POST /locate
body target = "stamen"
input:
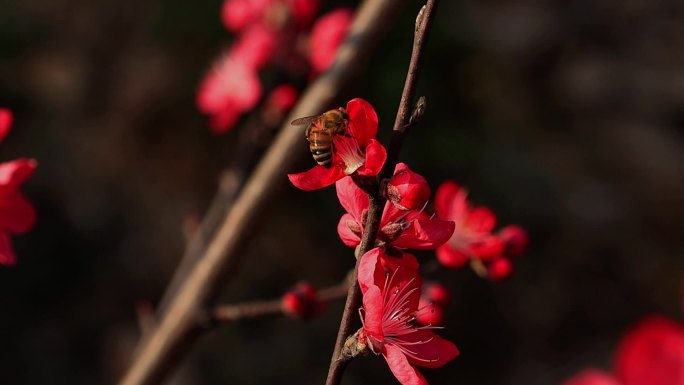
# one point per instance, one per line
(349, 151)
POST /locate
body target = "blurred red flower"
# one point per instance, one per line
(327, 34)
(6, 119)
(650, 353)
(17, 214)
(473, 238)
(228, 90)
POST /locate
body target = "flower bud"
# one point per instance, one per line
(515, 239)
(407, 190)
(499, 269)
(429, 313)
(6, 119)
(436, 293)
(301, 301)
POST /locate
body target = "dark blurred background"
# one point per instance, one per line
(566, 117)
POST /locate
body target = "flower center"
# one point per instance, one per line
(349, 152)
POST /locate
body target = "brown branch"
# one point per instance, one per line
(181, 324)
(406, 117)
(258, 309)
(254, 137)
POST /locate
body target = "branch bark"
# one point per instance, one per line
(406, 117)
(181, 324)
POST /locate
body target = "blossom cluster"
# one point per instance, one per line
(399, 313)
(17, 214)
(651, 353)
(281, 32)
(474, 239)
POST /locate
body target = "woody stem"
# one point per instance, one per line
(406, 117)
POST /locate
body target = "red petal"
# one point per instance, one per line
(351, 197)
(367, 267)
(481, 219)
(451, 258)
(7, 256)
(391, 214)
(16, 172)
(347, 236)
(17, 214)
(425, 234)
(407, 189)
(401, 368)
(592, 377)
(489, 248)
(515, 238)
(6, 119)
(652, 353)
(363, 121)
(316, 178)
(444, 198)
(376, 155)
(373, 310)
(434, 353)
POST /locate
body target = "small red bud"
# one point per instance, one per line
(301, 301)
(515, 238)
(436, 293)
(6, 119)
(407, 189)
(429, 313)
(499, 269)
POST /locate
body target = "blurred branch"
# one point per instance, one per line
(406, 117)
(180, 325)
(252, 142)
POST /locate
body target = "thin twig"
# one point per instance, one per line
(180, 325)
(257, 309)
(406, 117)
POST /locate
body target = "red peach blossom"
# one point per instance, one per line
(327, 34)
(652, 353)
(400, 229)
(357, 152)
(391, 290)
(407, 189)
(472, 237)
(255, 46)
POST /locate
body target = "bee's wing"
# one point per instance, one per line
(304, 120)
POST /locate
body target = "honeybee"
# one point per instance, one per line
(320, 132)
